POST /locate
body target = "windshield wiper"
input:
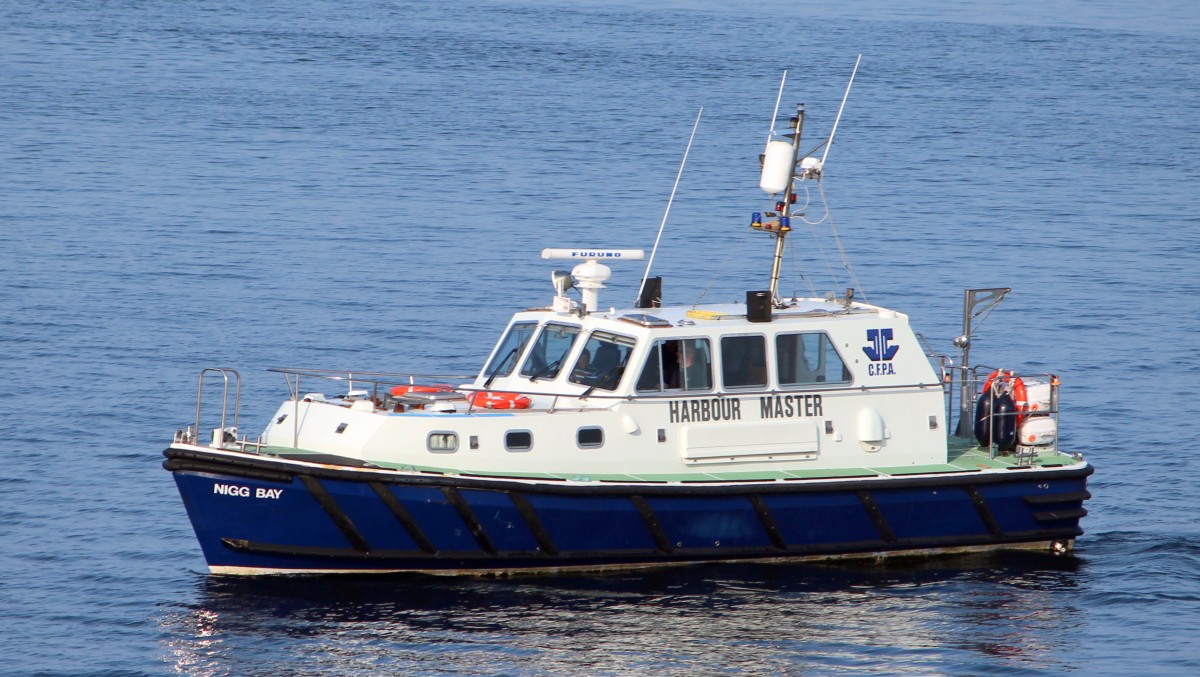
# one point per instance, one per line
(548, 370)
(500, 367)
(608, 380)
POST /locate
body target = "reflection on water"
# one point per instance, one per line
(945, 615)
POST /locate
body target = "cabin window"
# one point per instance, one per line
(602, 362)
(505, 357)
(549, 351)
(590, 438)
(518, 440)
(442, 442)
(744, 361)
(808, 358)
(677, 364)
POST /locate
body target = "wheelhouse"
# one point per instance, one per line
(809, 345)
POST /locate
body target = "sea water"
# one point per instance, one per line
(366, 185)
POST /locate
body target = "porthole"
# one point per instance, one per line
(590, 438)
(518, 440)
(442, 442)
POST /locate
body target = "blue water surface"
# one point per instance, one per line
(366, 185)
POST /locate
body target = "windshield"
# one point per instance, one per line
(548, 352)
(602, 362)
(505, 357)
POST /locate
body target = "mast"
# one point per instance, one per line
(784, 205)
(985, 300)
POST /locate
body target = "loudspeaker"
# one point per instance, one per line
(758, 306)
(651, 296)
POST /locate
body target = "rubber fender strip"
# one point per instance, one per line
(811, 485)
(468, 516)
(656, 532)
(340, 520)
(1043, 499)
(533, 522)
(1057, 515)
(876, 514)
(403, 517)
(177, 465)
(768, 522)
(868, 549)
(985, 512)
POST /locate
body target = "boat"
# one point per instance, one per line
(778, 429)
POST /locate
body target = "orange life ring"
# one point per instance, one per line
(401, 391)
(1016, 390)
(494, 400)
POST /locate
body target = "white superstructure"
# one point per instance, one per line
(824, 384)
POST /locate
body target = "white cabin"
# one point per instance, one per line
(660, 393)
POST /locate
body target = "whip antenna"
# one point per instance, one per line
(829, 142)
(671, 199)
(778, 97)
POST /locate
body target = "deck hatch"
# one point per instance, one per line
(750, 441)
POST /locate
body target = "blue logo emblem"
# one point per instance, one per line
(880, 349)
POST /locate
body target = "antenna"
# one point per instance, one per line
(829, 141)
(778, 98)
(671, 199)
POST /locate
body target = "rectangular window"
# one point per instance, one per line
(744, 361)
(809, 358)
(590, 438)
(442, 443)
(677, 364)
(518, 440)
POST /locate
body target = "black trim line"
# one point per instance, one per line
(656, 532)
(340, 519)
(468, 516)
(985, 512)
(1043, 499)
(180, 465)
(768, 522)
(529, 514)
(402, 515)
(1059, 515)
(877, 517)
(448, 559)
(225, 464)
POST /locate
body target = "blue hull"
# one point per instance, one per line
(256, 514)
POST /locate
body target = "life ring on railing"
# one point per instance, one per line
(1016, 390)
(496, 400)
(401, 391)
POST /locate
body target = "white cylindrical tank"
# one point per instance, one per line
(1037, 431)
(1037, 394)
(777, 167)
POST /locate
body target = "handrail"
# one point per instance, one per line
(237, 401)
(1052, 411)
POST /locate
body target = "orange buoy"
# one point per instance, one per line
(1016, 390)
(496, 400)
